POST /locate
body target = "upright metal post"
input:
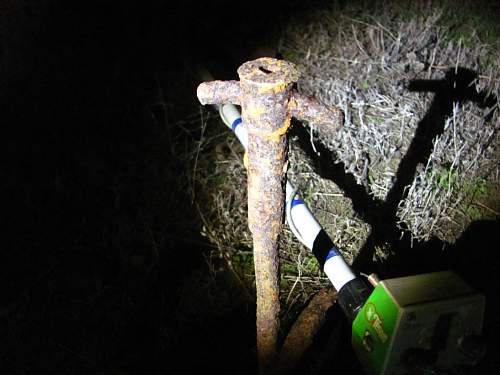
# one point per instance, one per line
(268, 103)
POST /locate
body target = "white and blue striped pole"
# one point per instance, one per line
(352, 291)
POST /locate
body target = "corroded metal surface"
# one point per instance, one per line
(268, 103)
(266, 87)
(219, 92)
(309, 109)
(303, 331)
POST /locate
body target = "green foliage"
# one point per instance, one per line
(447, 179)
(307, 194)
(243, 263)
(460, 25)
(477, 191)
(474, 212)
(312, 265)
(291, 55)
(459, 18)
(289, 270)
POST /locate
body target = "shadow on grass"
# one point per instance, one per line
(456, 87)
(472, 256)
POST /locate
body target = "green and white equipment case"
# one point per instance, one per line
(417, 321)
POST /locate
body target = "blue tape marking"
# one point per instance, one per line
(235, 123)
(296, 202)
(332, 253)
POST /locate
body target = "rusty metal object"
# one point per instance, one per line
(309, 109)
(268, 103)
(219, 92)
(266, 87)
(302, 333)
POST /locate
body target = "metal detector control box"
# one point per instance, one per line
(423, 321)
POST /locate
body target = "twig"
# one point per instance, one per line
(486, 207)
(202, 132)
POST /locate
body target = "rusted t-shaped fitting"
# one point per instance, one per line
(268, 103)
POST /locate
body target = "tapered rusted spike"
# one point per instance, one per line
(268, 103)
(266, 89)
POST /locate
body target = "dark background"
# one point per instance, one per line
(100, 234)
(101, 245)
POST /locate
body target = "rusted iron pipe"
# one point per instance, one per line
(268, 103)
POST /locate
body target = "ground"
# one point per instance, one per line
(413, 172)
(124, 201)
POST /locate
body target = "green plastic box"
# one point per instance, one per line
(418, 321)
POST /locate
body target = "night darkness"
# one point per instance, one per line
(99, 232)
(90, 184)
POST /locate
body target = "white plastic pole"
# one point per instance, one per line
(300, 219)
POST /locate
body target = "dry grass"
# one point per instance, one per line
(363, 63)
(221, 177)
